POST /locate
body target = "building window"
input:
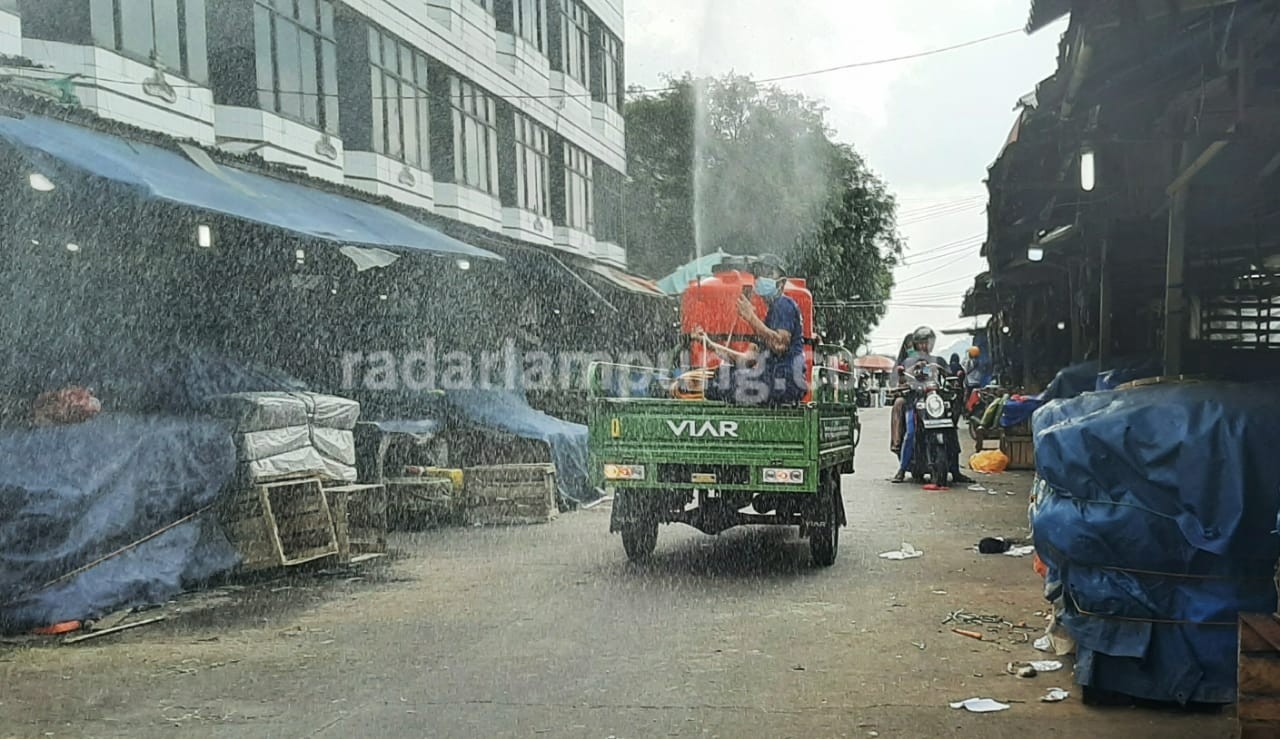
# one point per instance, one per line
(165, 32)
(530, 22)
(401, 126)
(475, 137)
(533, 161)
(608, 85)
(486, 4)
(575, 49)
(609, 184)
(578, 196)
(298, 60)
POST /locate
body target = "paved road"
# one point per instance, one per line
(548, 631)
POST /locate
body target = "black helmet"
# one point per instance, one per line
(766, 262)
(922, 334)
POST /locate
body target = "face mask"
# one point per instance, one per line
(765, 287)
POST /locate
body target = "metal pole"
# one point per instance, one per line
(1104, 306)
(1174, 299)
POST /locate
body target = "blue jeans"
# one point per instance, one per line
(908, 440)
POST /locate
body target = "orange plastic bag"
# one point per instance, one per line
(992, 461)
(1039, 566)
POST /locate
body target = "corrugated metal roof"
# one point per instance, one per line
(1044, 12)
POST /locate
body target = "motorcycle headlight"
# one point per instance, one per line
(934, 406)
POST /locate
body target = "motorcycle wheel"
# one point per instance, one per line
(938, 463)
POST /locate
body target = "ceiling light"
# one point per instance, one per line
(463, 264)
(1087, 173)
(40, 183)
(1034, 253)
(1062, 326)
(382, 297)
(73, 247)
(204, 236)
(1004, 329)
(300, 254)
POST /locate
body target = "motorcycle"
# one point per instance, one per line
(975, 409)
(934, 398)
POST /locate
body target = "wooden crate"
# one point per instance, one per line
(1258, 676)
(415, 501)
(359, 519)
(509, 494)
(280, 524)
(1020, 450)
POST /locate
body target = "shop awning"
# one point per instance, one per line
(62, 152)
(627, 281)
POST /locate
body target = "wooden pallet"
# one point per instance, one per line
(280, 524)
(508, 494)
(1258, 676)
(415, 501)
(1020, 450)
(359, 519)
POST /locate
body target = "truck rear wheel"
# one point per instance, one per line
(640, 539)
(824, 539)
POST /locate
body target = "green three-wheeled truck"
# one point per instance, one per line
(715, 465)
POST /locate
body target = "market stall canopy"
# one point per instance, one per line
(968, 326)
(874, 363)
(628, 281)
(61, 151)
(676, 282)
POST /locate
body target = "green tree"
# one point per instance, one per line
(752, 169)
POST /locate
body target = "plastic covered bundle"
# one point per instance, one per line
(1155, 513)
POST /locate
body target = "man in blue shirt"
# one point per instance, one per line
(775, 372)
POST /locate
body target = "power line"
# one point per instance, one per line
(945, 265)
(637, 91)
(964, 204)
(960, 210)
(889, 60)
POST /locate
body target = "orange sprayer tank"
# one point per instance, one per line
(712, 303)
(798, 290)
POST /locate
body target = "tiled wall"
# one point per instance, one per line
(10, 34)
(123, 90)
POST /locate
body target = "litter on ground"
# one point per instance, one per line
(1055, 695)
(905, 552)
(981, 705)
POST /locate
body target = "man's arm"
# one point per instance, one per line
(721, 349)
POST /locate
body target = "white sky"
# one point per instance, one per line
(930, 127)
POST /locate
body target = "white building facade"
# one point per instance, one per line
(503, 114)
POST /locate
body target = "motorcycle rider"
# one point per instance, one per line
(902, 420)
(917, 346)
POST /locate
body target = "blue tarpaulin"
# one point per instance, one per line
(71, 496)
(1156, 512)
(508, 411)
(1080, 378)
(66, 153)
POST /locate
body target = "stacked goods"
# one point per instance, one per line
(1155, 514)
(332, 422)
(510, 494)
(282, 435)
